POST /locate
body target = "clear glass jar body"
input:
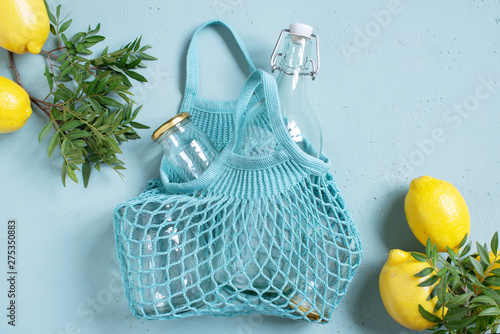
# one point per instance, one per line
(187, 149)
(160, 238)
(298, 114)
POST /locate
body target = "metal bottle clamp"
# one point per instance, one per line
(275, 56)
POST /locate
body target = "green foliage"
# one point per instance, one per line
(92, 110)
(467, 288)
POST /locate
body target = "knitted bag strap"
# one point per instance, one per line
(262, 81)
(191, 88)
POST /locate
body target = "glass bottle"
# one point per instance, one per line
(310, 288)
(187, 149)
(300, 119)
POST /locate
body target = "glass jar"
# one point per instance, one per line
(187, 149)
(168, 271)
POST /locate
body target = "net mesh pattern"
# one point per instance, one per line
(275, 239)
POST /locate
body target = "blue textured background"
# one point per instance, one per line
(406, 88)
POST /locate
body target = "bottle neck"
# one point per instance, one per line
(294, 66)
(296, 55)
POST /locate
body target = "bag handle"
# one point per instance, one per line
(259, 83)
(191, 88)
(263, 84)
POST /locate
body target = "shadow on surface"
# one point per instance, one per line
(368, 310)
(395, 232)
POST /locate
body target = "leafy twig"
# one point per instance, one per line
(468, 288)
(91, 111)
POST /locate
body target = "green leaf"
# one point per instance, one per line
(430, 281)
(492, 281)
(483, 253)
(76, 38)
(441, 331)
(419, 256)
(432, 294)
(95, 39)
(459, 300)
(462, 323)
(477, 266)
(464, 240)
(466, 249)
(52, 18)
(45, 131)
(71, 125)
(456, 314)
(483, 300)
(435, 255)
(72, 175)
(427, 315)
(96, 30)
(102, 85)
(86, 169)
(79, 143)
(491, 293)
(58, 11)
(495, 271)
(139, 125)
(75, 134)
(69, 45)
(494, 243)
(136, 111)
(111, 87)
(116, 69)
(442, 288)
(424, 272)
(491, 311)
(134, 63)
(80, 48)
(63, 173)
(49, 77)
(146, 56)
(428, 248)
(453, 255)
(53, 144)
(62, 58)
(114, 145)
(110, 102)
(65, 71)
(136, 76)
(65, 146)
(137, 44)
(65, 26)
(53, 30)
(442, 272)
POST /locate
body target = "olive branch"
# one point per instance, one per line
(89, 105)
(468, 287)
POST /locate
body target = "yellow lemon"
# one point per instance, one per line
(401, 294)
(15, 106)
(24, 25)
(436, 210)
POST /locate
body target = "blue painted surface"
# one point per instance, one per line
(405, 89)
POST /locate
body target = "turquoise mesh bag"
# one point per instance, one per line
(264, 229)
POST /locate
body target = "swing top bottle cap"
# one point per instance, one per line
(301, 29)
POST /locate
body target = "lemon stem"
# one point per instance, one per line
(36, 102)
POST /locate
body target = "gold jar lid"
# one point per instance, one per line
(169, 124)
